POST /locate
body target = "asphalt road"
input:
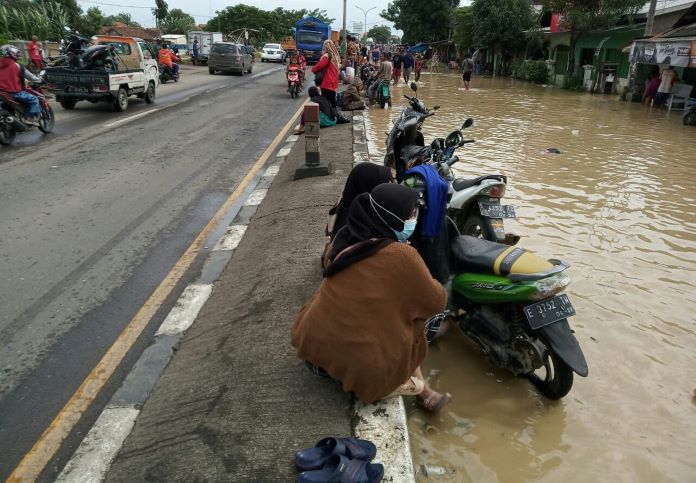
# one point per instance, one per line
(93, 216)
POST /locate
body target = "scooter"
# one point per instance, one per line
(384, 94)
(167, 74)
(294, 87)
(689, 116)
(511, 303)
(13, 116)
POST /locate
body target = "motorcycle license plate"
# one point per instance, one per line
(385, 91)
(497, 210)
(548, 311)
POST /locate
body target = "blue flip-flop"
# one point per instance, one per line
(339, 469)
(353, 448)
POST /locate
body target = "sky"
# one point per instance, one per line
(202, 9)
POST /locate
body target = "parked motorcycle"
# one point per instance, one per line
(13, 116)
(689, 116)
(294, 85)
(166, 74)
(473, 204)
(510, 302)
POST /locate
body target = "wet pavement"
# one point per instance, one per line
(617, 203)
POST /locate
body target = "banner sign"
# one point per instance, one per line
(675, 53)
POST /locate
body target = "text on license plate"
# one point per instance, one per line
(496, 210)
(548, 311)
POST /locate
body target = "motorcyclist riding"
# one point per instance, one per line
(383, 74)
(12, 76)
(295, 65)
(167, 57)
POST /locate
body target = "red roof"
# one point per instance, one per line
(124, 30)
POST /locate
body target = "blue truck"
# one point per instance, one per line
(310, 34)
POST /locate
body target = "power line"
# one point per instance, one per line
(131, 6)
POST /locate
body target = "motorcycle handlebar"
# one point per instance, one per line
(467, 141)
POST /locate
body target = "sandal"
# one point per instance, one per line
(339, 469)
(434, 401)
(297, 132)
(412, 387)
(316, 457)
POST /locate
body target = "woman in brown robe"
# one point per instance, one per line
(365, 324)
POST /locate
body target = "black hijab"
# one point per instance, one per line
(324, 104)
(372, 219)
(362, 179)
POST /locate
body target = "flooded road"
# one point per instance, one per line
(618, 203)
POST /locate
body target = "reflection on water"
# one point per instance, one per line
(618, 203)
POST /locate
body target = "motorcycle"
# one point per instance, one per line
(384, 94)
(13, 116)
(99, 57)
(294, 84)
(474, 204)
(689, 116)
(167, 74)
(511, 303)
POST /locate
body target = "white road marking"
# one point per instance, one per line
(283, 152)
(256, 197)
(96, 452)
(130, 118)
(389, 432)
(292, 139)
(272, 171)
(230, 240)
(186, 309)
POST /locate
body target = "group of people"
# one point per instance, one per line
(12, 81)
(365, 327)
(659, 85)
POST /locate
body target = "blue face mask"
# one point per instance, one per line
(409, 228)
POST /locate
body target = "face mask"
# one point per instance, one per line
(409, 228)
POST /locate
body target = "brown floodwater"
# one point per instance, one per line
(618, 203)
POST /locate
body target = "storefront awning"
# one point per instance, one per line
(677, 52)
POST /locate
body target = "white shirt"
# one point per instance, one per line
(666, 83)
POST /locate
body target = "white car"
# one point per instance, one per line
(272, 53)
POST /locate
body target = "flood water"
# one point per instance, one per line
(618, 203)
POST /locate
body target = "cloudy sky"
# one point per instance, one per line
(201, 10)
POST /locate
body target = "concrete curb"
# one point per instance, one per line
(93, 458)
(383, 423)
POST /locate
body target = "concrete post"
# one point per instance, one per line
(313, 166)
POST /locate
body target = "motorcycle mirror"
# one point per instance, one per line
(65, 28)
(42, 73)
(468, 123)
(435, 108)
(454, 139)
(414, 87)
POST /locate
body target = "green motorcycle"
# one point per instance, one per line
(510, 302)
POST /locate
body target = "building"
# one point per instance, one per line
(123, 30)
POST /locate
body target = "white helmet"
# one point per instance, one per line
(10, 51)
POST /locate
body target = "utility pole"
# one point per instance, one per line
(344, 41)
(365, 23)
(651, 18)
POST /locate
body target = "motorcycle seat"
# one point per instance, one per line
(410, 152)
(483, 256)
(462, 184)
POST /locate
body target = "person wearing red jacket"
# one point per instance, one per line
(329, 63)
(12, 82)
(35, 53)
(168, 58)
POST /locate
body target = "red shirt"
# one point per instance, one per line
(9, 76)
(34, 50)
(330, 80)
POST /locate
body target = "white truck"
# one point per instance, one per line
(137, 73)
(205, 42)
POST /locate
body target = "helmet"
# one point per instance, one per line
(10, 51)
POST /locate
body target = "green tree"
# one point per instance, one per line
(71, 9)
(581, 16)
(464, 27)
(380, 34)
(160, 11)
(421, 20)
(499, 25)
(122, 17)
(92, 21)
(178, 22)
(318, 13)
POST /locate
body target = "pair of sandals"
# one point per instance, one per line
(339, 460)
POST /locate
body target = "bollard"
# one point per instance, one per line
(313, 164)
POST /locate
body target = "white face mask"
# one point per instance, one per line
(409, 225)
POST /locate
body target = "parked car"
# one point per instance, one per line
(230, 57)
(273, 53)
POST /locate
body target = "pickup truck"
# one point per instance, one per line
(137, 73)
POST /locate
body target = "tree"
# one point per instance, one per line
(421, 20)
(71, 9)
(160, 11)
(318, 13)
(380, 34)
(124, 18)
(581, 16)
(92, 21)
(500, 24)
(178, 22)
(463, 27)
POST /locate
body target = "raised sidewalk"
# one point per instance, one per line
(235, 403)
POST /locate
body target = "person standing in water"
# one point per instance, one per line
(467, 69)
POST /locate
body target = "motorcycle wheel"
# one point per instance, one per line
(473, 226)
(47, 120)
(7, 135)
(690, 119)
(292, 92)
(554, 379)
(176, 79)
(163, 80)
